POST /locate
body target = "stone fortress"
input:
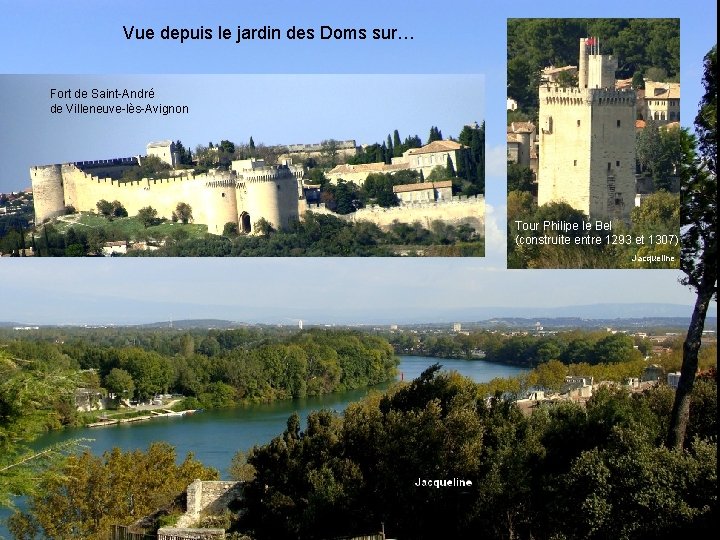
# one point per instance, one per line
(250, 190)
(587, 139)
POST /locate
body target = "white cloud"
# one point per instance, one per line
(496, 161)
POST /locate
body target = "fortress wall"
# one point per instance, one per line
(113, 168)
(48, 193)
(71, 176)
(467, 210)
(84, 190)
(565, 147)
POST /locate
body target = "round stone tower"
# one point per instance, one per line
(219, 201)
(274, 197)
(48, 191)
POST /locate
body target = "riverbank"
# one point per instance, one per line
(153, 414)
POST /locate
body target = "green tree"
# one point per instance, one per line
(661, 150)
(183, 212)
(699, 243)
(104, 207)
(329, 152)
(88, 494)
(647, 145)
(615, 348)
(438, 173)
(263, 227)
(151, 372)
(519, 178)
(435, 135)
(28, 388)
(120, 383)
(118, 210)
(638, 81)
(149, 167)
(379, 189)
(397, 150)
(147, 216)
(230, 229)
(184, 154)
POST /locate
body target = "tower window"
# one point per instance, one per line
(618, 123)
(578, 123)
(223, 194)
(609, 165)
(617, 163)
(575, 162)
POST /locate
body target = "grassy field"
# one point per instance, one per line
(128, 228)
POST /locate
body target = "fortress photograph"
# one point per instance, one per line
(428, 200)
(593, 142)
(375, 179)
(249, 188)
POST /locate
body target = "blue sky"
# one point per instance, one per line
(467, 37)
(319, 291)
(273, 109)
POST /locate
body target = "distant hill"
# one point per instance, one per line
(220, 324)
(606, 315)
(561, 323)
(11, 324)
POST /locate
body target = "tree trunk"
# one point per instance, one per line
(691, 347)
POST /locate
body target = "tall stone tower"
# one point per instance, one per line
(48, 192)
(587, 140)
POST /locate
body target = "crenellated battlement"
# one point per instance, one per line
(609, 96)
(556, 89)
(125, 161)
(571, 96)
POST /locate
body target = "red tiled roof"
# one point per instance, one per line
(422, 186)
(436, 146)
(367, 167)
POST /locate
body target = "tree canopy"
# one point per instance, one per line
(699, 237)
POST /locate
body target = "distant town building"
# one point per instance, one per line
(341, 149)
(359, 173)
(424, 192)
(553, 74)
(521, 144)
(661, 102)
(165, 151)
(422, 160)
(673, 379)
(118, 247)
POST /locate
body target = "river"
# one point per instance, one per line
(214, 436)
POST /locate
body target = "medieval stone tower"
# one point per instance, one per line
(587, 140)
